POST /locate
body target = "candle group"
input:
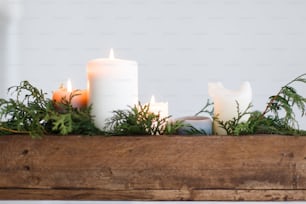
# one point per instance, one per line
(113, 85)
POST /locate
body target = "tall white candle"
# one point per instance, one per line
(225, 106)
(112, 85)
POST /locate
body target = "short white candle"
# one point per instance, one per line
(160, 108)
(225, 102)
(112, 85)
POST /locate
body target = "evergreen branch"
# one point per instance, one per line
(137, 120)
(289, 95)
(13, 131)
(206, 109)
(30, 112)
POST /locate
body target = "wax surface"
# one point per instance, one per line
(79, 98)
(112, 85)
(225, 102)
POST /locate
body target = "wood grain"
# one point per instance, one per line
(261, 167)
(161, 195)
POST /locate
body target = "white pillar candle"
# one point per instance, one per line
(112, 85)
(159, 107)
(225, 106)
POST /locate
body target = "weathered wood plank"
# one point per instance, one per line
(157, 195)
(116, 167)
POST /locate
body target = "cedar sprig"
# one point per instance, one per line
(30, 112)
(25, 114)
(207, 109)
(136, 120)
(286, 100)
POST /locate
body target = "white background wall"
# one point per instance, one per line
(180, 45)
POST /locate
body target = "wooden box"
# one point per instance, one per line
(261, 167)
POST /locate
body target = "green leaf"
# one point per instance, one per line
(63, 124)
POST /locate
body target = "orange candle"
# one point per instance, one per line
(77, 98)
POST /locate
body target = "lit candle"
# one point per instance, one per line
(77, 98)
(225, 102)
(160, 108)
(112, 85)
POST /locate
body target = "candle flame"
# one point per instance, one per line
(111, 54)
(69, 85)
(152, 100)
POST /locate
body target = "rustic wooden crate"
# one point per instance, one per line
(262, 167)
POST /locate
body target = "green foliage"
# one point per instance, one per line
(194, 131)
(62, 123)
(172, 127)
(277, 118)
(285, 101)
(208, 109)
(32, 113)
(137, 120)
(235, 126)
(26, 113)
(270, 125)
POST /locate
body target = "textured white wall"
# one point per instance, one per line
(10, 13)
(180, 45)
